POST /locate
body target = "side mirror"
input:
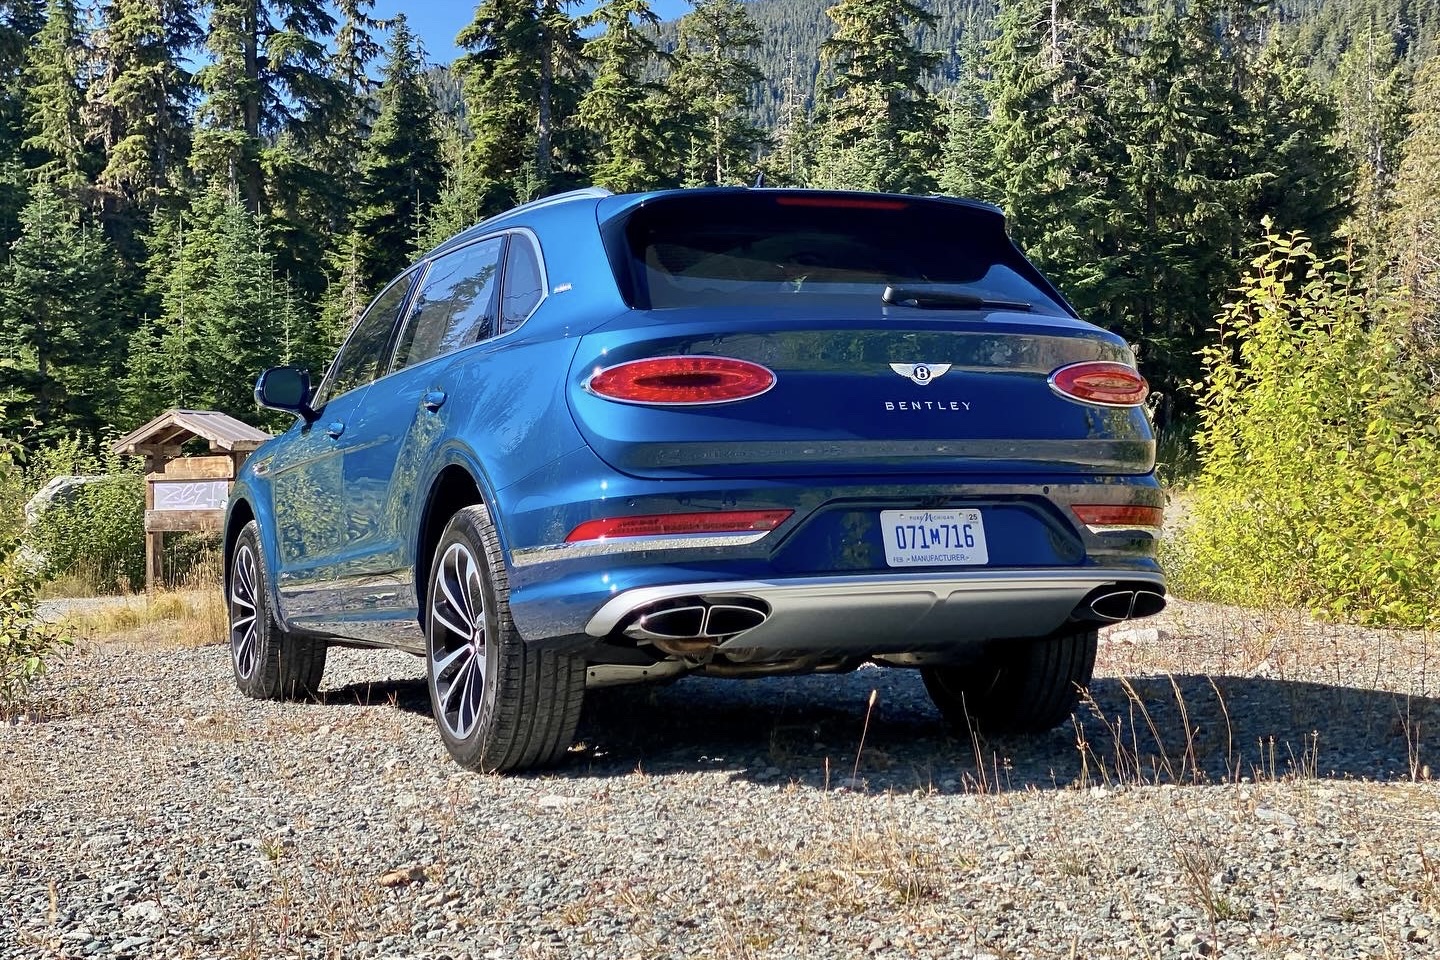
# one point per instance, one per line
(285, 388)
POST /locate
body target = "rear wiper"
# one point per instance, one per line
(928, 299)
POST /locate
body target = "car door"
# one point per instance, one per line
(403, 419)
(317, 519)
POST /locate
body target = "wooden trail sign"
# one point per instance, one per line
(186, 492)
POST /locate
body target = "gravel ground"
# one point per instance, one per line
(1241, 785)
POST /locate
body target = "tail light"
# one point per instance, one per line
(680, 524)
(1101, 382)
(681, 381)
(1114, 518)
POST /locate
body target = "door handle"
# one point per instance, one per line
(335, 429)
(434, 400)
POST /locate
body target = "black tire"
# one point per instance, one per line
(270, 663)
(1021, 686)
(522, 708)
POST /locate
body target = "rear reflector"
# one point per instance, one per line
(679, 524)
(841, 203)
(1108, 517)
(1102, 382)
(679, 381)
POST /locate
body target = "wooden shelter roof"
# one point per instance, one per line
(164, 435)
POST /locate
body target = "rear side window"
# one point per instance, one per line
(455, 306)
(523, 287)
(776, 248)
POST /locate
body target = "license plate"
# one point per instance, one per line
(924, 538)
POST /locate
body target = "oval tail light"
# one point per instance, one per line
(1102, 382)
(681, 381)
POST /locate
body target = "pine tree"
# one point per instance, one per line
(792, 160)
(623, 110)
(1416, 225)
(138, 107)
(267, 76)
(967, 155)
(401, 172)
(59, 342)
(713, 80)
(225, 313)
(877, 122)
(56, 71)
(1370, 90)
(520, 78)
(1290, 130)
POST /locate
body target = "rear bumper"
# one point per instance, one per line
(896, 613)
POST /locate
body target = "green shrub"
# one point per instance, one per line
(1320, 454)
(25, 644)
(98, 535)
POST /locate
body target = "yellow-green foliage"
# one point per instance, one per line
(1320, 477)
(25, 644)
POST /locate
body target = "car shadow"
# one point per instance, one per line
(808, 731)
(407, 694)
(1182, 730)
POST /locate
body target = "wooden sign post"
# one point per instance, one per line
(185, 493)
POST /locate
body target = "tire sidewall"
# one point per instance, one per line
(466, 527)
(265, 628)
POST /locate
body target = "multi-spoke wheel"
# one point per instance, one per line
(270, 664)
(500, 703)
(1021, 686)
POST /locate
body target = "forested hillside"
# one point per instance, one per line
(191, 190)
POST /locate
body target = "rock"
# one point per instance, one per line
(1275, 816)
(403, 877)
(1138, 636)
(146, 911)
(555, 802)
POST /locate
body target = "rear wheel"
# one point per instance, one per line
(1021, 686)
(500, 703)
(270, 663)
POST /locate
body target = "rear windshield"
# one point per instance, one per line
(723, 247)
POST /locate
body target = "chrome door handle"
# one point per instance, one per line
(434, 400)
(335, 429)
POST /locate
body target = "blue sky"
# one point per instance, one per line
(437, 21)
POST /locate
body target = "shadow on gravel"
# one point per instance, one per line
(807, 730)
(409, 694)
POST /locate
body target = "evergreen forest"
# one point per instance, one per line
(192, 190)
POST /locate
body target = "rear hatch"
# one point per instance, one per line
(905, 335)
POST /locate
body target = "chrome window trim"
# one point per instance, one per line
(508, 236)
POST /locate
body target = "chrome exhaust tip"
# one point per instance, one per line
(695, 623)
(1114, 606)
(1147, 603)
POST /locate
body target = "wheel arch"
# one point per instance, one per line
(241, 513)
(454, 488)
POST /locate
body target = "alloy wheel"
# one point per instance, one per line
(244, 624)
(457, 640)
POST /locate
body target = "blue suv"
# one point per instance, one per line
(605, 439)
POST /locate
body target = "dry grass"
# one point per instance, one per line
(178, 618)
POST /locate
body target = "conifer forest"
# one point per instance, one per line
(193, 190)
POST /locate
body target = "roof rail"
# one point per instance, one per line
(593, 193)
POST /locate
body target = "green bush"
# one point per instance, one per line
(1320, 454)
(98, 536)
(25, 644)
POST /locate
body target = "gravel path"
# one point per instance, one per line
(1281, 809)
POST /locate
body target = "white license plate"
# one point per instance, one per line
(925, 538)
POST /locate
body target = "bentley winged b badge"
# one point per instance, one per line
(921, 373)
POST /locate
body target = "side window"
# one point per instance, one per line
(455, 306)
(362, 357)
(522, 287)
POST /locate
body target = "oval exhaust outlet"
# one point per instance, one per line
(1147, 603)
(728, 619)
(677, 623)
(1113, 606)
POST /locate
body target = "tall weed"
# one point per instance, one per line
(1320, 453)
